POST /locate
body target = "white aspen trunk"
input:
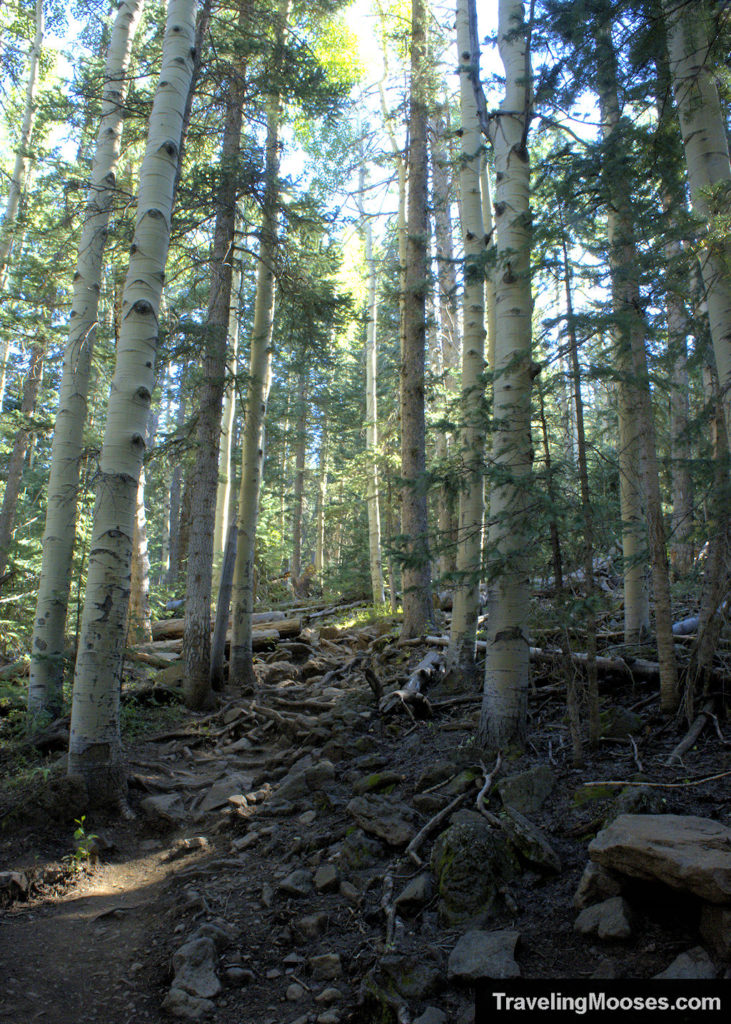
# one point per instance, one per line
(321, 500)
(488, 223)
(689, 28)
(417, 604)
(371, 361)
(632, 359)
(507, 665)
(139, 619)
(46, 670)
(241, 665)
(197, 635)
(17, 179)
(223, 494)
(95, 747)
(463, 632)
(300, 450)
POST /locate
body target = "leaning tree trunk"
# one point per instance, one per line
(632, 356)
(197, 635)
(17, 455)
(241, 666)
(689, 28)
(463, 633)
(47, 648)
(416, 570)
(95, 750)
(507, 665)
(18, 177)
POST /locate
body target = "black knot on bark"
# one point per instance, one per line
(143, 307)
(499, 209)
(170, 148)
(143, 394)
(138, 441)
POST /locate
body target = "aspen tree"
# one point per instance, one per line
(300, 451)
(371, 389)
(241, 667)
(689, 32)
(461, 652)
(416, 569)
(95, 746)
(635, 398)
(507, 665)
(47, 647)
(18, 176)
(197, 635)
(321, 498)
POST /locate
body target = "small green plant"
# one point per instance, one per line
(85, 846)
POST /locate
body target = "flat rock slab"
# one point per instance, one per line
(389, 820)
(166, 806)
(695, 964)
(220, 792)
(195, 968)
(528, 840)
(685, 852)
(481, 954)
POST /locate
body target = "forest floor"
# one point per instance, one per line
(279, 824)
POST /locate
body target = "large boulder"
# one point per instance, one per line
(471, 863)
(687, 853)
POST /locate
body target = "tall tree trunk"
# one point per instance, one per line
(17, 455)
(224, 491)
(17, 179)
(417, 603)
(321, 499)
(95, 746)
(461, 652)
(371, 390)
(689, 28)
(681, 546)
(632, 356)
(241, 666)
(300, 451)
(139, 630)
(197, 635)
(46, 670)
(176, 487)
(507, 665)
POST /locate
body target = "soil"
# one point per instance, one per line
(94, 941)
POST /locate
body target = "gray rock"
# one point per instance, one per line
(327, 878)
(183, 1004)
(481, 954)
(13, 885)
(219, 931)
(349, 892)
(435, 774)
(377, 782)
(298, 883)
(302, 782)
(432, 1015)
(527, 791)
(695, 964)
(715, 929)
(220, 792)
(326, 966)
(596, 884)
(688, 853)
(183, 847)
(164, 807)
(471, 864)
(382, 816)
(528, 840)
(608, 920)
(329, 1017)
(617, 723)
(635, 800)
(312, 925)
(412, 977)
(294, 993)
(195, 965)
(415, 895)
(328, 996)
(238, 976)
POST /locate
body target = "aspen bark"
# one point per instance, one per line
(371, 389)
(632, 358)
(417, 604)
(139, 629)
(95, 746)
(48, 644)
(507, 665)
(463, 633)
(197, 636)
(14, 477)
(689, 31)
(18, 177)
(241, 665)
(300, 450)
(321, 499)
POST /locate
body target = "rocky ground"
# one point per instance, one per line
(303, 856)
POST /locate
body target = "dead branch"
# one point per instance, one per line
(692, 735)
(430, 826)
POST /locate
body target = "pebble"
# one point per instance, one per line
(326, 966)
(329, 995)
(294, 993)
(327, 878)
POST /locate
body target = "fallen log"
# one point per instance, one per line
(167, 629)
(411, 696)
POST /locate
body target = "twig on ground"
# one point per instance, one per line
(659, 785)
(635, 754)
(489, 782)
(430, 826)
